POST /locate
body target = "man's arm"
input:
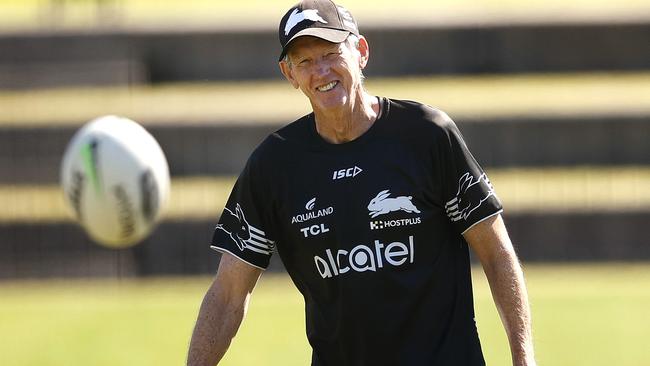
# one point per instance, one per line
(222, 311)
(491, 243)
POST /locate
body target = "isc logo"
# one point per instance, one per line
(346, 173)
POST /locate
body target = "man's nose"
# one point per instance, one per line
(321, 67)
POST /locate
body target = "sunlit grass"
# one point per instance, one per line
(593, 314)
(582, 315)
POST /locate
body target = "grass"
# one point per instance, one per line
(590, 314)
(541, 190)
(276, 102)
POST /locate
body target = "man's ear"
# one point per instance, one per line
(364, 52)
(287, 72)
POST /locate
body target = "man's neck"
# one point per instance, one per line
(349, 122)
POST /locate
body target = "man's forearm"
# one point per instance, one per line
(511, 298)
(215, 327)
(490, 241)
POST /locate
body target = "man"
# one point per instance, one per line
(371, 204)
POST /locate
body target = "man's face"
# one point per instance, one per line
(329, 74)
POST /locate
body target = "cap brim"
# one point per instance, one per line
(331, 35)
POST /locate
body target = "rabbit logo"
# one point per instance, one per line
(471, 194)
(236, 226)
(381, 204)
(297, 17)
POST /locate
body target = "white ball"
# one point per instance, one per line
(116, 180)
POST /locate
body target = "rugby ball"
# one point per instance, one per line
(115, 180)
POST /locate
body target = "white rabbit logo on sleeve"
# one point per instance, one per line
(245, 235)
(471, 194)
(381, 204)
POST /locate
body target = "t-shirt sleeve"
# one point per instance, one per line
(469, 195)
(243, 228)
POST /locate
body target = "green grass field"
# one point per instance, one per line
(594, 315)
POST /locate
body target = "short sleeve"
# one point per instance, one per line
(470, 197)
(243, 229)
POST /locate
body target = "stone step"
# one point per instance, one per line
(161, 56)
(521, 190)
(182, 247)
(33, 155)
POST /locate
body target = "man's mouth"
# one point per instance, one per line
(327, 87)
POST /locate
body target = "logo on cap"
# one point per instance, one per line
(348, 21)
(296, 17)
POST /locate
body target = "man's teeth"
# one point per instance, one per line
(327, 87)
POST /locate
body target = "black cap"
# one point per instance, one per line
(318, 18)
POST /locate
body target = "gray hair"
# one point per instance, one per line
(353, 42)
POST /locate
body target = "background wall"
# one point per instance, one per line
(118, 58)
(553, 97)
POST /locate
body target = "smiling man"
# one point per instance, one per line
(372, 204)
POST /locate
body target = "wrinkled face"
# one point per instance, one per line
(329, 74)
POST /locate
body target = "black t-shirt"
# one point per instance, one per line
(370, 232)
